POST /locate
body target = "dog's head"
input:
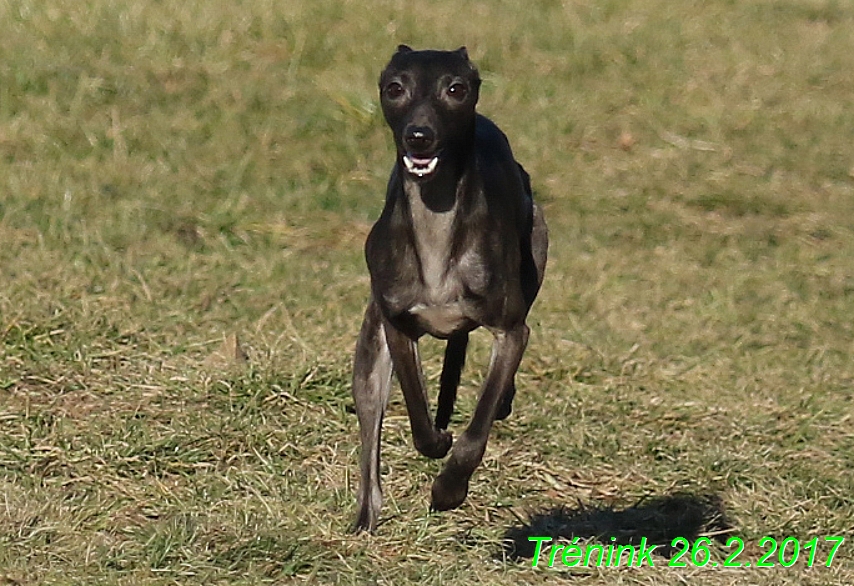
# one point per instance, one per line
(428, 99)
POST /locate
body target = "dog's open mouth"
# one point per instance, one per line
(420, 166)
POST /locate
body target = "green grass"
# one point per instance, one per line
(172, 174)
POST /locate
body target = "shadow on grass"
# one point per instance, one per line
(659, 519)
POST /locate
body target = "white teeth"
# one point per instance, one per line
(420, 167)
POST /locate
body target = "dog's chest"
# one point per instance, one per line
(450, 267)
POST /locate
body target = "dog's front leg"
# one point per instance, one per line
(451, 486)
(371, 383)
(429, 441)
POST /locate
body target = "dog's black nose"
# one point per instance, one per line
(419, 139)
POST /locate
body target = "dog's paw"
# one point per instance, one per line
(438, 446)
(448, 493)
(365, 522)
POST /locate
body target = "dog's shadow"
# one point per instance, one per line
(659, 519)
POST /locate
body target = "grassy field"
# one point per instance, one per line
(185, 188)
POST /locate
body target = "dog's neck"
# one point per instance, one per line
(429, 202)
(433, 207)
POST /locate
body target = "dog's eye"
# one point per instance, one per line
(394, 90)
(458, 91)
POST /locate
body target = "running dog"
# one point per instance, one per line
(460, 244)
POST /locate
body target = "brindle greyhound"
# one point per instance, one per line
(459, 244)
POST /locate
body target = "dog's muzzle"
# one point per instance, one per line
(420, 166)
(419, 141)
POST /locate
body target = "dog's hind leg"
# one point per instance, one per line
(452, 367)
(451, 486)
(429, 441)
(539, 243)
(506, 406)
(371, 383)
(539, 254)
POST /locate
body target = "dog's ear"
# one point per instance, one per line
(463, 52)
(404, 49)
